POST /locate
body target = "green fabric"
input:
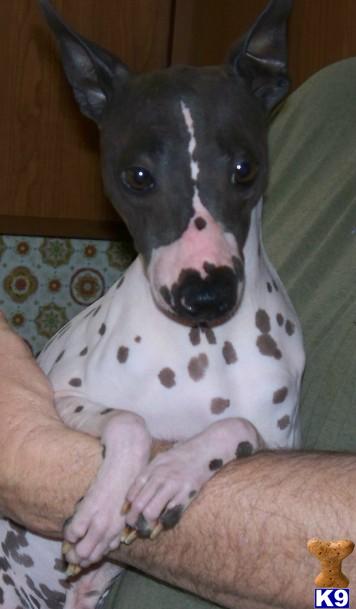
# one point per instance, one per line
(310, 234)
(137, 591)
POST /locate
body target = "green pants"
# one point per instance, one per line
(310, 234)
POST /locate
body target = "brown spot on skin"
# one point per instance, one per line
(200, 223)
(107, 410)
(262, 321)
(280, 319)
(290, 327)
(138, 339)
(122, 354)
(194, 336)
(210, 335)
(13, 544)
(83, 351)
(244, 449)
(269, 287)
(167, 377)
(171, 516)
(268, 346)
(215, 464)
(143, 528)
(229, 353)
(79, 409)
(218, 405)
(8, 580)
(5, 565)
(280, 395)
(284, 422)
(197, 367)
(102, 329)
(75, 382)
(60, 565)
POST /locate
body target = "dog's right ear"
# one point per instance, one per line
(261, 56)
(91, 70)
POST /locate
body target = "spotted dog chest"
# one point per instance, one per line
(181, 379)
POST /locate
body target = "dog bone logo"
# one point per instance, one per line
(331, 554)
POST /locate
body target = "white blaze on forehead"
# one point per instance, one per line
(194, 248)
(188, 119)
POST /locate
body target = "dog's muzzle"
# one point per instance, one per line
(208, 299)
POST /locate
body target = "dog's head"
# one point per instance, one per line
(184, 157)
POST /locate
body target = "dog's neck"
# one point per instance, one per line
(255, 256)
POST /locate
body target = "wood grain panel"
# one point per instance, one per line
(205, 29)
(321, 31)
(49, 175)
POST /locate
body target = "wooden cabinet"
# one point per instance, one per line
(50, 180)
(320, 31)
(49, 172)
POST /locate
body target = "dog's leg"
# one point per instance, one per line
(89, 590)
(97, 522)
(168, 484)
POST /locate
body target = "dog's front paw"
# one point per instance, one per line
(94, 528)
(162, 492)
(165, 488)
(98, 520)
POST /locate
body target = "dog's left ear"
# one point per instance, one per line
(92, 71)
(261, 56)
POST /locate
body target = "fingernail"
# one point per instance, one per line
(131, 537)
(126, 507)
(73, 570)
(156, 531)
(66, 547)
(124, 533)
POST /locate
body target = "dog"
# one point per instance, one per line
(198, 343)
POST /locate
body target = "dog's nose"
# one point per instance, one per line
(206, 299)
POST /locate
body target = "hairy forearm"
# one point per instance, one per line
(242, 542)
(48, 469)
(55, 469)
(45, 467)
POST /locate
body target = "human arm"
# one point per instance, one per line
(242, 542)
(37, 450)
(45, 467)
(243, 539)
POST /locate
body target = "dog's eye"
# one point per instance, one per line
(137, 179)
(244, 172)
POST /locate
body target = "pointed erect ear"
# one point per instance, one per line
(261, 56)
(91, 70)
